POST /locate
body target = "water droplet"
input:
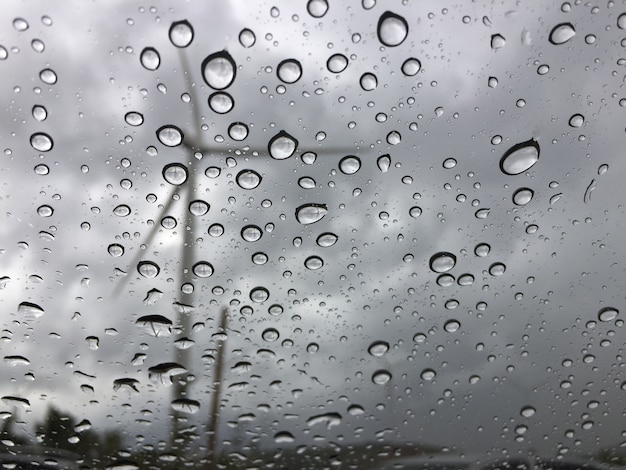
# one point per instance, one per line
(482, 249)
(181, 33)
(284, 437)
(449, 163)
(394, 138)
(411, 67)
(170, 136)
(497, 269)
(155, 325)
(378, 348)
(445, 280)
(577, 120)
(562, 33)
(251, 233)
(248, 179)
(199, 207)
(216, 230)
(270, 334)
(3, 53)
(306, 182)
(29, 309)
(313, 263)
(175, 173)
(368, 81)
(289, 71)
(41, 142)
(329, 419)
(543, 69)
(150, 58)
(168, 222)
(93, 342)
(122, 210)
(116, 250)
(520, 158)
(492, 82)
(185, 405)
(415, 211)
(221, 102)
(607, 314)
(527, 411)
(148, 269)
(247, 38)
(621, 21)
(317, 8)
(42, 169)
(452, 326)
(14, 361)
(428, 374)
(523, 196)
(20, 24)
(12, 401)
(384, 162)
(337, 63)
(134, 118)
(442, 262)
(38, 45)
(497, 41)
(381, 377)
(350, 164)
(465, 280)
(327, 239)
(202, 269)
(392, 29)
(162, 374)
(310, 213)
(219, 70)
(45, 210)
(259, 258)
(238, 131)
(126, 383)
(282, 146)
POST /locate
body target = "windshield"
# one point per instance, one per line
(315, 234)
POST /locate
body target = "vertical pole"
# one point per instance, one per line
(218, 381)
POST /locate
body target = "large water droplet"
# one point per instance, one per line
(378, 348)
(327, 239)
(442, 262)
(221, 102)
(384, 162)
(317, 8)
(148, 269)
(310, 213)
(368, 81)
(607, 314)
(40, 113)
(527, 411)
(199, 207)
(523, 196)
(392, 29)
(238, 131)
(150, 58)
(116, 250)
(219, 70)
(155, 325)
(497, 269)
(251, 233)
(186, 405)
(411, 67)
(247, 38)
(202, 269)
(451, 326)
(282, 146)
(248, 179)
(350, 164)
(497, 41)
(428, 374)
(283, 437)
(381, 377)
(181, 33)
(337, 63)
(162, 374)
(562, 33)
(520, 157)
(169, 135)
(29, 309)
(329, 419)
(41, 142)
(313, 263)
(577, 120)
(289, 71)
(175, 173)
(122, 210)
(270, 334)
(20, 24)
(134, 118)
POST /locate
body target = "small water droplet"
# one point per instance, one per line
(465, 280)
(38, 45)
(248, 179)
(381, 377)
(259, 258)
(492, 82)
(150, 58)
(29, 309)
(148, 269)
(175, 173)
(282, 146)
(523, 196)
(186, 405)
(41, 142)
(306, 182)
(42, 169)
(199, 207)
(392, 29)
(350, 164)
(449, 163)
(219, 70)
(520, 158)
(155, 325)
(445, 280)
(310, 213)
(221, 102)
(45, 210)
(442, 262)
(216, 230)
(289, 71)
(181, 33)
(562, 33)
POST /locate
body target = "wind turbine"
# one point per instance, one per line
(193, 144)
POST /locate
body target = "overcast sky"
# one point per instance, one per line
(517, 330)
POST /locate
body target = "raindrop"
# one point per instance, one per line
(221, 102)
(349, 165)
(181, 33)
(562, 33)
(482, 249)
(415, 212)
(127, 384)
(378, 348)
(148, 269)
(38, 45)
(392, 29)
(337, 63)
(310, 213)
(155, 325)
(270, 334)
(134, 118)
(384, 162)
(185, 405)
(14, 361)
(520, 158)
(451, 326)
(219, 70)
(45, 210)
(93, 342)
(183, 343)
(170, 136)
(259, 258)
(356, 410)
(168, 222)
(42, 169)
(202, 269)
(428, 374)
(216, 230)
(251, 233)
(497, 41)
(381, 377)
(449, 163)
(3, 53)
(411, 67)
(602, 169)
(309, 158)
(162, 373)
(198, 207)
(527, 411)
(465, 280)
(289, 71)
(607, 314)
(284, 437)
(327, 239)
(247, 38)
(238, 131)
(12, 401)
(329, 419)
(621, 21)
(41, 142)
(577, 120)
(122, 210)
(20, 24)
(313, 263)
(442, 262)
(368, 81)
(212, 172)
(394, 138)
(306, 182)
(445, 280)
(150, 58)
(116, 250)
(175, 173)
(497, 269)
(282, 146)
(248, 179)
(29, 309)
(492, 82)
(317, 8)
(523, 196)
